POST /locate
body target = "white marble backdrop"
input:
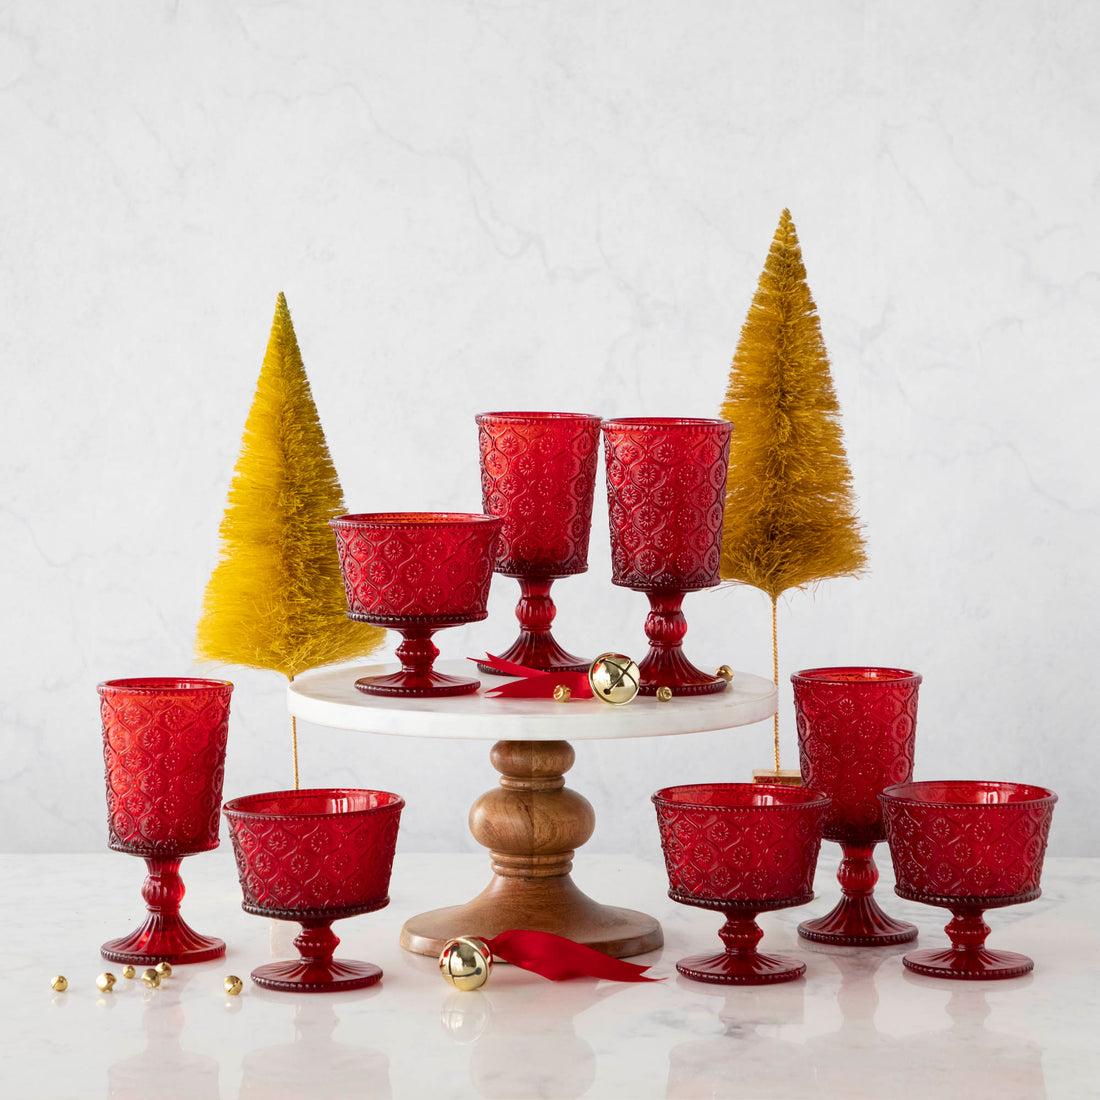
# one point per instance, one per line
(564, 206)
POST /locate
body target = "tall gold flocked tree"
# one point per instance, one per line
(790, 511)
(276, 600)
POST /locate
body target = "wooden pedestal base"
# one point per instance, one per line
(532, 825)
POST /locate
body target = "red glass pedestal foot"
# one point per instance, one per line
(317, 971)
(858, 920)
(164, 935)
(968, 959)
(741, 963)
(536, 647)
(665, 664)
(417, 653)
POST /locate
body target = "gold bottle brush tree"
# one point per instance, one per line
(790, 517)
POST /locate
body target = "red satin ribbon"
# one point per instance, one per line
(555, 957)
(534, 682)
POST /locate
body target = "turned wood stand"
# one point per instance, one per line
(532, 824)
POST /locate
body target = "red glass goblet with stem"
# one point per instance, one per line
(538, 475)
(164, 753)
(315, 856)
(416, 572)
(856, 735)
(743, 849)
(968, 845)
(666, 496)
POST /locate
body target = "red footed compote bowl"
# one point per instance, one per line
(164, 753)
(743, 849)
(666, 495)
(538, 474)
(315, 856)
(416, 572)
(856, 734)
(968, 845)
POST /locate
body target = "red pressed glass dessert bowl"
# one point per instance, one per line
(164, 755)
(968, 845)
(315, 856)
(856, 735)
(538, 476)
(416, 572)
(743, 849)
(666, 496)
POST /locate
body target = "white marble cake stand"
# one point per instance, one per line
(533, 823)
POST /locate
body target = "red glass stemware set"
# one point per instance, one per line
(666, 492)
(966, 845)
(315, 856)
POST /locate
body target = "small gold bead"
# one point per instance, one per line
(725, 673)
(664, 694)
(233, 985)
(151, 978)
(59, 983)
(105, 982)
(128, 971)
(164, 969)
(562, 693)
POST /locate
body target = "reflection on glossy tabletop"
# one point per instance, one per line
(858, 1025)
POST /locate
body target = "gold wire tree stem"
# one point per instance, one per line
(294, 746)
(775, 678)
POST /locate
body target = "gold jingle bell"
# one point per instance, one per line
(614, 678)
(59, 983)
(562, 694)
(164, 969)
(128, 971)
(151, 978)
(466, 963)
(724, 673)
(105, 982)
(232, 985)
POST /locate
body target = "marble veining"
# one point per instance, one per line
(858, 1025)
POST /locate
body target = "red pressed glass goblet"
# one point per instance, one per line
(164, 754)
(968, 845)
(743, 849)
(315, 856)
(666, 495)
(416, 572)
(538, 474)
(856, 735)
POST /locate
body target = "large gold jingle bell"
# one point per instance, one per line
(614, 678)
(466, 963)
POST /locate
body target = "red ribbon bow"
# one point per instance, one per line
(555, 957)
(535, 683)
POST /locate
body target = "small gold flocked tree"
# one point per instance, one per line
(790, 511)
(276, 598)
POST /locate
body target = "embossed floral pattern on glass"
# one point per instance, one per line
(164, 742)
(743, 849)
(856, 735)
(416, 572)
(315, 856)
(968, 845)
(666, 496)
(538, 475)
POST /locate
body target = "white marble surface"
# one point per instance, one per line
(857, 1026)
(329, 697)
(477, 204)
